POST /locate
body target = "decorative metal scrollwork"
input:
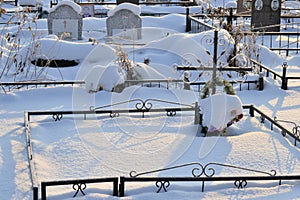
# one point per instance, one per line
(79, 187)
(143, 105)
(171, 113)
(57, 117)
(296, 131)
(162, 185)
(114, 114)
(202, 170)
(240, 184)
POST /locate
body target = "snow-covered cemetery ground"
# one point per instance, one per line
(54, 147)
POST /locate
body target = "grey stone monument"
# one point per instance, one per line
(124, 21)
(266, 13)
(65, 21)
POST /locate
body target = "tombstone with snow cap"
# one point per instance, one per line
(125, 21)
(65, 20)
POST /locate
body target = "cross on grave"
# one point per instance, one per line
(65, 24)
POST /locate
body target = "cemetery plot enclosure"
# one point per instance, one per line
(201, 173)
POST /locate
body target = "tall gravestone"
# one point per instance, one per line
(65, 21)
(266, 13)
(125, 21)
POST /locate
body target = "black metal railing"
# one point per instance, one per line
(79, 185)
(294, 134)
(8, 86)
(140, 106)
(283, 76)
(203, 173)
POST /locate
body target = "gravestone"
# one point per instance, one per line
(65, 21)
(125, 20)
(266, 13)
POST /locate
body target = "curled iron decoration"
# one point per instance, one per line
(202, 170)
(134, 174)
(143, 105)
(171, 113)
(114, 114)
(240, 184)
(295, 129)
(271, 173)
(57, 117)
(79, 187)
(162, 185)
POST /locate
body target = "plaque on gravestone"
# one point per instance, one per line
(266, 13)
(65, 28)
(243, 6)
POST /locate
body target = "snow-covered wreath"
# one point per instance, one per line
(229, 90)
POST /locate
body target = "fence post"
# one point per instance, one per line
(261, 81)
(251, 111)
(43, 191)
(284, 80)
(188, 20)
(122, 187)
(35, 193)
(197, 114)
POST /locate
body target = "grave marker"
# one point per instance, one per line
(65, 21)
(125, 20)
(266, 13)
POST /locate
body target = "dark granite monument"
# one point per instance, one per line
(266, 13)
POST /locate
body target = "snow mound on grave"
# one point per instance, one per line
(219, 109)
(101, 55)
(70, 3)
(52, 49)
(174, 44)
(104, 78)
(194, 47)
(273, 57)
(128, 6)
(154, 71)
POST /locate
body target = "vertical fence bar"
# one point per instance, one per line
(122, 186)
(284, 80)
(197, 114)
(188, 20)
